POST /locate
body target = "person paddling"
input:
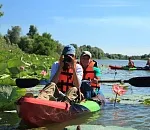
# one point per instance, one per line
(66, 76)
(148, 63)
(92, 73)
(130, 63)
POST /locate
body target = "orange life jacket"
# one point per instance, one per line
(65, 80)
(88, 74)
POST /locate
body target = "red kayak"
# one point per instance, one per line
(116, 67)
(127, 68)
(37, 112)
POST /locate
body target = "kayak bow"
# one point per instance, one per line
(37, 112)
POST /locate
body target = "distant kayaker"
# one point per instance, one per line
(66, 74)
(148, 62)
(130, 63)
(91, 73)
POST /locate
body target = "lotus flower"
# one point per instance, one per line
(22, 67)
(119, 90)
(43, 72)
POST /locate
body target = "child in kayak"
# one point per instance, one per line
(148, 64)
(91, 73)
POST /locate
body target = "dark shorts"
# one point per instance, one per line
(87, 90)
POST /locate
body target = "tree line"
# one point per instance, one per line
(43, 44)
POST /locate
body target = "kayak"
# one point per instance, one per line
(36, 112)
(127, 68)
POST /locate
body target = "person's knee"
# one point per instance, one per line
(72, 93)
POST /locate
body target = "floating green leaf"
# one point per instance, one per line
(146, 102)
(3, 67)
(7, 81)
(8, 95)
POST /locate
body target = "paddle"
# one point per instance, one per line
(27, 83)
(135, 81)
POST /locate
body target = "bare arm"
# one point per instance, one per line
(76, 81)
(56, 76)
(77, 73)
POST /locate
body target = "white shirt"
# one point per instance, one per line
(79, 71)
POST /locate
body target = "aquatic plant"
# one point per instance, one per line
(146, 102)
(118, 90)
(8, 95)
(16, 64)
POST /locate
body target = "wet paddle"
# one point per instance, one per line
(135, 81)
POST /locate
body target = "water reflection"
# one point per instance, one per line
(83, 119)
(125, 115)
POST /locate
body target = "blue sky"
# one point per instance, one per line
(115, 26)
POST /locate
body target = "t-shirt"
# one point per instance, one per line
(97, 71)
(79, 71)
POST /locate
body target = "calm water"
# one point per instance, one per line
(128, 113)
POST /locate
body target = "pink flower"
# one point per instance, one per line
(43, 72)
(118, 89)
(22, 67)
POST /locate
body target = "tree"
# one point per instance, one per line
(14, 34)
(26, 44)
(1, 13)
(47, 35)
(40, 43)
(32, 31)
(59, 48)
(74, 45)
(2, 40)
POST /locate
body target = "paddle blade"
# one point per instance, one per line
(139, 81)
(27, 83)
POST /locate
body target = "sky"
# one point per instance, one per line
(115, 26)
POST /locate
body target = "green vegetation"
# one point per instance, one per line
(146, 102)
(8, 95)
(14, 64)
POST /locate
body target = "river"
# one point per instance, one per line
(129, 113)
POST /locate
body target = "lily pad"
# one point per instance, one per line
(8, 95)
(146, 102)
(7, 81)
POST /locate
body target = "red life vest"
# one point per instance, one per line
(65, 80)
(88, 74)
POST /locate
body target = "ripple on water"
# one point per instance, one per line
(136, 116)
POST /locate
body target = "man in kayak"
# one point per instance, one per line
(91, 73)
(66, 76)
(130, 63)
(148, 62)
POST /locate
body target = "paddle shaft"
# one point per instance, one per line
(136, 81)
(109, 81)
